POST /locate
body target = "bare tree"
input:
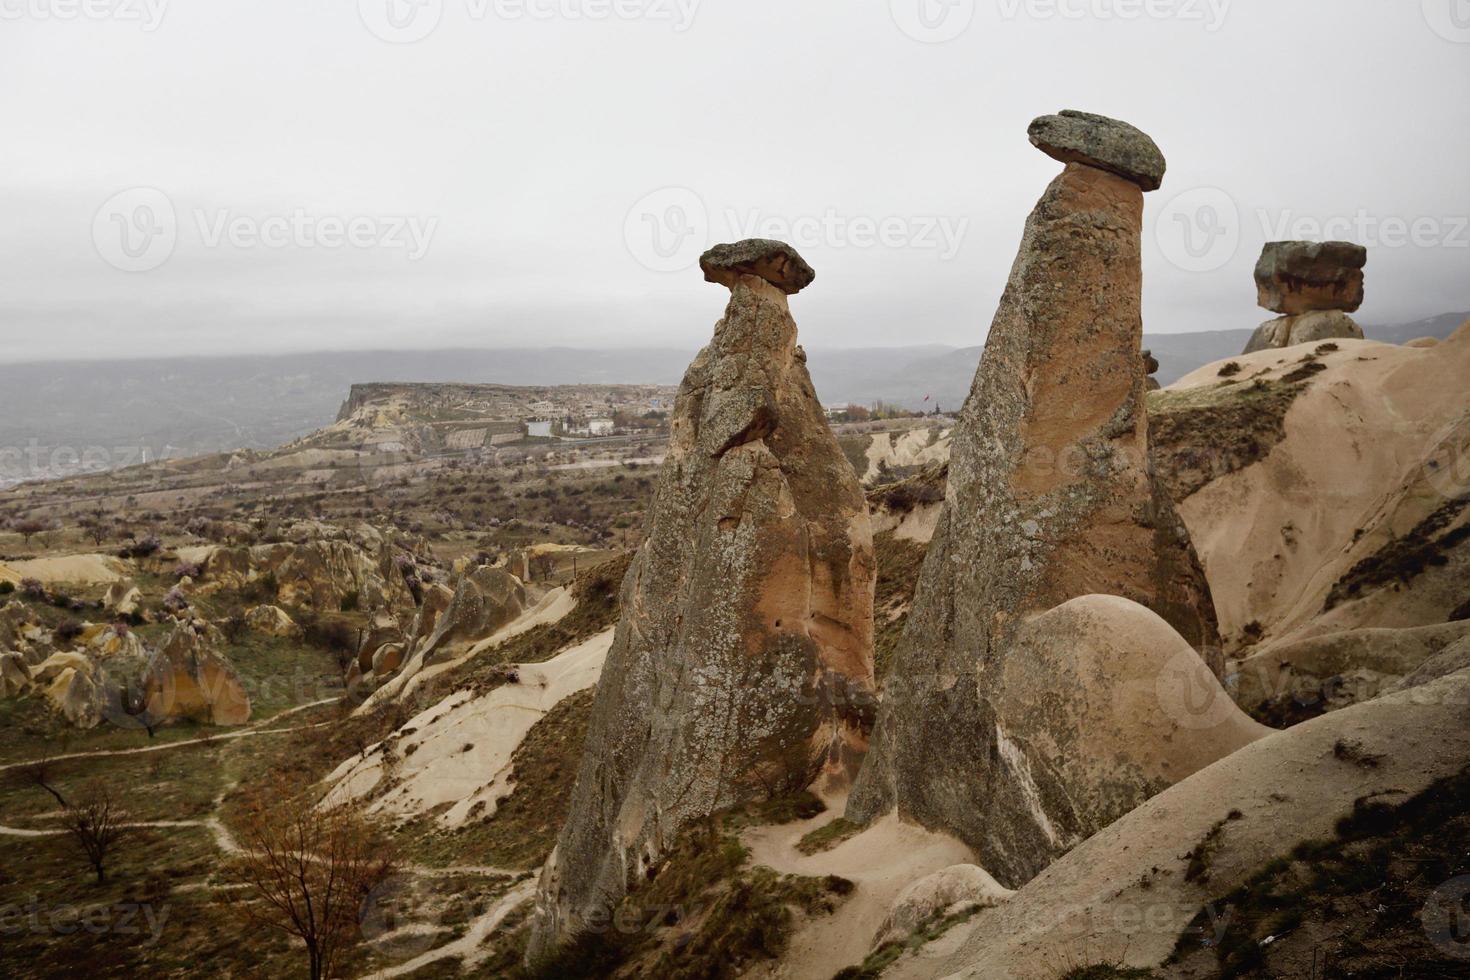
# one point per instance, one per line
(29, 527)
(41, 773)
(308, 872)
(95, 823)
(96, 525)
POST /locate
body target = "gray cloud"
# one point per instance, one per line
(527, 130)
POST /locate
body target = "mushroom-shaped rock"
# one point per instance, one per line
(743, 658)
(1108, 144)
(1021, 533)
(962, 885)
(775, 262)
(1300, 277)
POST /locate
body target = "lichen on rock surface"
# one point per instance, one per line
(1050, 497)
(742, 664)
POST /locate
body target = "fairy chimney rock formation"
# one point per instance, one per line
(1315, 285)
(743, 664)
(1050, 499)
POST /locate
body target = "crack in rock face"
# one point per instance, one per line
(1050, 498)
(742, 666)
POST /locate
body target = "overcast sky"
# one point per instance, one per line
(214, 176)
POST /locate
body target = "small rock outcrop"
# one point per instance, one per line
(742, 664)
(188, 680)
(485, 599)
(1315, 285)
(949, 890)
(1050, 497)
(272, 621)
(123, 598)
(15, 674)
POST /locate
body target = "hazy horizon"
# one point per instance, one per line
(256, 178)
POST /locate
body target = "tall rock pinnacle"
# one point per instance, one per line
(1049, 499)
(746, 632)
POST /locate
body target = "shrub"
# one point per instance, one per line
(350, 601)
(188, 569)
(6, 588)
(32, 589)
(68, 631)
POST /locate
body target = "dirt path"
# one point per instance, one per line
(467, 947)
(250, 732)
(881, 861)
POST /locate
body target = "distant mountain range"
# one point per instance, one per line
(117, 412)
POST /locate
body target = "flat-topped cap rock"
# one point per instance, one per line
(775, 262)
(1302, 277)
(1108, 144)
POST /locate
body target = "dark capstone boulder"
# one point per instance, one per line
(1302, 277)
(1108, 144)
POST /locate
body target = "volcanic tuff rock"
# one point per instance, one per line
(1300, 277)
(188, 679)
(775, 262)
(1316, 285)
(1050, 497)
(1288, 331)
(746, 632)
(1108, 144)
(484, 600)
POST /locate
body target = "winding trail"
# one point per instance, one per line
(249, 732)
(467, 947)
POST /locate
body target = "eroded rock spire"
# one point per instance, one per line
(1004, 698)
(746, 630)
